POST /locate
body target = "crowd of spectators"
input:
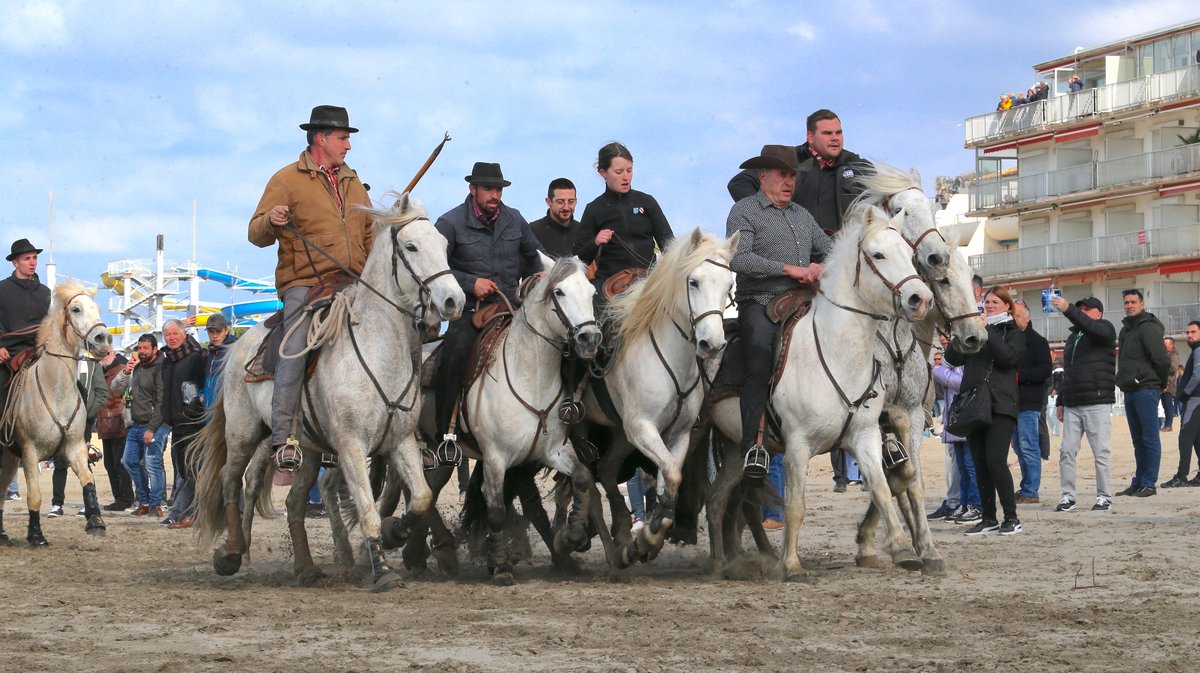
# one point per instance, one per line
(1035, 93)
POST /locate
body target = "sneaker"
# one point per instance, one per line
(1102, 505)
(1145, 492)
(953, 516)
(1010, 527)
(183, 523)
(55, 512)
(143, 510)
(116, 507)
(971, 515)
(1065, 505)
(81, 512)
(166, 522)
(984, 527)
(1129, 491)
(17, 496)
(1194, 481)
(839, 488)
(638, 524)
(1175, 482)
(772, 524)
(154, 512)
(941, 513)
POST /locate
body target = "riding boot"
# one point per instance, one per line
(456, 348)
(573, 371)
(757, 334)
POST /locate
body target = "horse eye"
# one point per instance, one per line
(559, 293)
(878, 255)
(945, 281)
(410, 247)
(74, 309)
(693, 282)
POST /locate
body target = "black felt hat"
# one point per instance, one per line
(487, 175)
(329, 117)
(20, 248)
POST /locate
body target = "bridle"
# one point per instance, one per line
(894, 287)
(571, 330)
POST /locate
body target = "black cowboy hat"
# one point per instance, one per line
(486, 175)
(20, 248)
(329, 117)
(782, 157)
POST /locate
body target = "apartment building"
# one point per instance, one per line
(1097, 190)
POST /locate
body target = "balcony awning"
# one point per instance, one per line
(1076, 134)
(1171, 190)
(1000, 148)
(1035, 139)
(1183, 266)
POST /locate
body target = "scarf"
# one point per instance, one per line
(189, 346)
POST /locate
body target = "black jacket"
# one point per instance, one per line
(1033, 371)
(1143, 361)
(499, 252)
(1005, 346)
(23, 304)
(188, 369)
(1089, 362)
(559, 241)
(638, 225)
(846, 168)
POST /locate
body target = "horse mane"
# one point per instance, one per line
(887, 180)
(406, 209)
(563, 267)
(653, 297)
(64, 292)
(862, 223)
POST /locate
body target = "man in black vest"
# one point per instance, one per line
(24, 302)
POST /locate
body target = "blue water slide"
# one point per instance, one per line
(235, 282)
(242, 310)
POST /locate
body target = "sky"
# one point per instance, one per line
(131, 111)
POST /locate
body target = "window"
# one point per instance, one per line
(1075, 228)
(1180, 55)
(1122, 220)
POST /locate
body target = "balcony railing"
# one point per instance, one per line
(1055, 326)
(1014, 190)
(1081, 104)
(1090, 252)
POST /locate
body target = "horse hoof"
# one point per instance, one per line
(309, 576)
(447, 559)
(934, 567)
(868, 562)
(908, 560)
(502, 579)
(798, 578)
(226, 564)
(388, 581)
(38, 543)
(95, 525)
(564, 564)
(343, 560)
(394, 532)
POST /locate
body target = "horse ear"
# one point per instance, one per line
(732, 242)
(547, 261)
(401, 204)
(92, 292)
(697, 238)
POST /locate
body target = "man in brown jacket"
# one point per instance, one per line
(318, 195)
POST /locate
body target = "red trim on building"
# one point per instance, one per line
(1000, 148)
(1179, 267)
(1179, 188)
(1076, 134)
(1035, 139)
(1175, 106)
(1084, 205)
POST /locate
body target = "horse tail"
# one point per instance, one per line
(262, 504)
(207, 457)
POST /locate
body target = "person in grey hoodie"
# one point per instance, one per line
(142, 379)
(1142, 368)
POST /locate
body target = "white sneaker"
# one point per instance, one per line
(55, 512)
(1102, 505)
(1065, 505)
(638, 524)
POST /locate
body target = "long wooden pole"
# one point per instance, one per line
(428, 162)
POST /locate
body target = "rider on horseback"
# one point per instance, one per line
(24, 302)
(489, 246)
(778, 250)
(317, 197)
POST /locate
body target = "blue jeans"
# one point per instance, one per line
(13, 487)
(314, 493)
(775, 478)
(637, 495)
(1028, 448)
(1141, 410)
(968, 487)
(149, 485)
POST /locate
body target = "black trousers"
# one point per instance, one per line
(757, 334)
(989, 450)
(1189, 441)
(456, 347)
(118, 476)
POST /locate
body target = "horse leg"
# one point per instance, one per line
(352, 459)
(574, 537)
(8, 470)
(651, 538)
(609, 476)
(77, 458)
(33, 500)
(867, 558)
(934, 563)
(254, 467)
(866, 446)
(303, 568)
(752, 513)
(497, 539)
(329, 485)
(717, 506)
(407, 470)
(417, 549)
(795, 474)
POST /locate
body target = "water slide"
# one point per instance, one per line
(233, 282)
(246, 309)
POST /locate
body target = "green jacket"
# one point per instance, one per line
(1142, 361)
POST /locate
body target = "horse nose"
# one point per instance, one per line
(935, 261)
(971, 342)
(709, 348)
(587, 341)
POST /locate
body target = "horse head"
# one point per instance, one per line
(709, 283)
(418, 264)
(883, 272)
(954, 299)
(900, 192)
(75, 319)
(561, 303)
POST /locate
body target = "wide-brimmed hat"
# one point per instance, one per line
(487, 175)
(20, 248)
(329, 117)
(782, 157)
(1091, 302)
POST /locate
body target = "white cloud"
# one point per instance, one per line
(32, 25)
(804, 31)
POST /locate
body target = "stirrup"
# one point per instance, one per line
(287, 456)
(448, 453)
(756, 464)
(570, 411)
(894, 453)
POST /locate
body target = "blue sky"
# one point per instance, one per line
(129, 110)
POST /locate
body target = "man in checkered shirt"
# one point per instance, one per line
(779, 249)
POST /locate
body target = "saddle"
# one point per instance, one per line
(621, 280)
(783, 305)
(785, 309)
(478, 360)
(489, 312)
(25, 357)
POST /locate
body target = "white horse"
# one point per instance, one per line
(511, 409)
(826, 395)
(362, 400)
(45, 415)
(668, 324)
(904, 348)
(898, 192)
